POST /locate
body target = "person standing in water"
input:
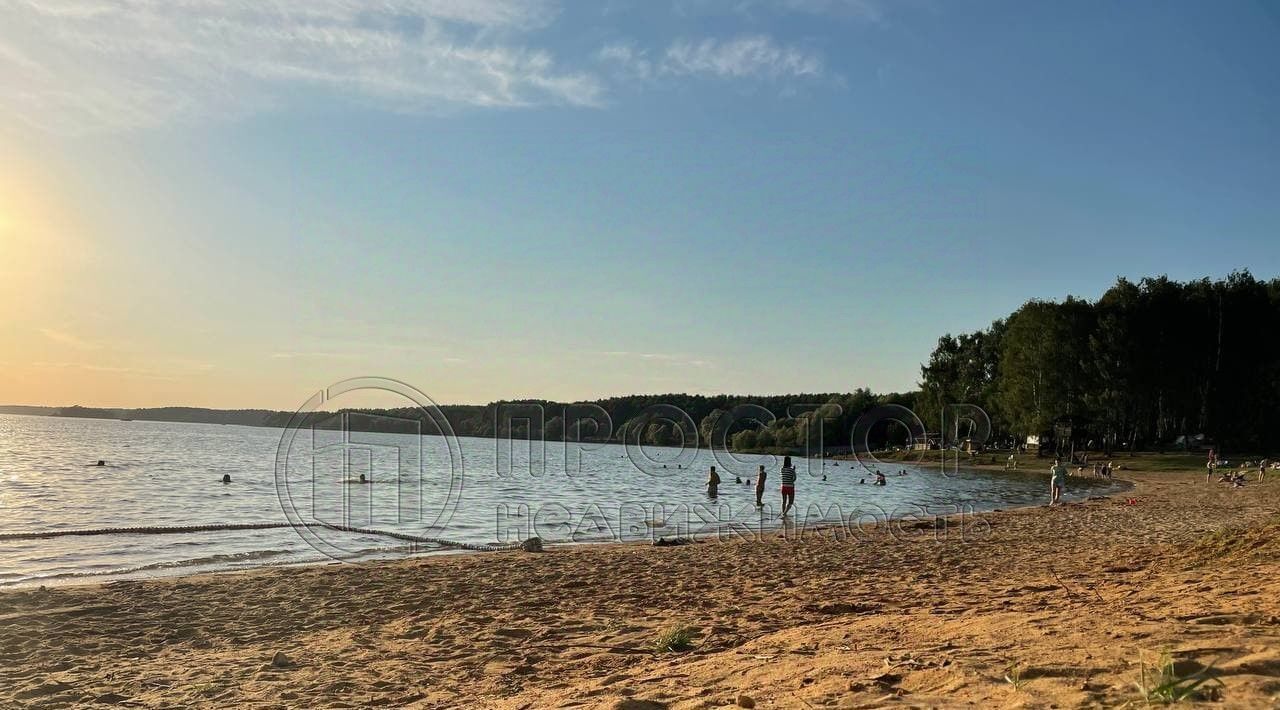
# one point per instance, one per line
(760, 478)
(1057, 482)
(788, 484)
(713, 483)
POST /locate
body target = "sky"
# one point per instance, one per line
(228, 204)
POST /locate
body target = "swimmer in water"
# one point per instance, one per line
(363, 479)
(880, 479)
(226, 478)
(101, 462)
(713, 483)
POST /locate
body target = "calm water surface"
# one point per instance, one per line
(475, 490)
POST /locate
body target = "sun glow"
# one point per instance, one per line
(38, 251)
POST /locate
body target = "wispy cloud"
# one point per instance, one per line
(316, 355)
(742, 57)
(872, 11)
(79, 66)
(861, 10)
(667, 358)
(746, 56)
(92, 64)
(866, 10)
(70, 339)
(108, 370)
(628, 60)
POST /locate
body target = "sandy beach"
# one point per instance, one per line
(1029, 608)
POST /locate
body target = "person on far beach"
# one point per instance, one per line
(1057, 482)
(788, 484)
(761, 475)
(1262, 470)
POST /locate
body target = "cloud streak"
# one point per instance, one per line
(70, 339)
(665, 358)
(82, 65)
(741, 57)
(871, 11)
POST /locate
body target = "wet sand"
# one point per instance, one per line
(900, 616)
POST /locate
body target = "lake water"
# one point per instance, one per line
(466, 490)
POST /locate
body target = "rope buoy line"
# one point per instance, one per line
(177, 529)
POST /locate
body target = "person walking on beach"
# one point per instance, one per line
(1262, 470)
(761, 475)
(1212, 464)
(1057, 482)
(788, 484)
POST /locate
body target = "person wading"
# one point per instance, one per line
(788, 485)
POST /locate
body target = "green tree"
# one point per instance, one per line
(1042, 364)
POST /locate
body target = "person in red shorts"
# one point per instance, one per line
(788, 485)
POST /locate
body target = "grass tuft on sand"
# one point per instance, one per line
(1167, 683)
(675, 639)
(1235, 543)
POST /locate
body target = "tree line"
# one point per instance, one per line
(1149, 365)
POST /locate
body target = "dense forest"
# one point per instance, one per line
(1149, 365)
(1153, 364)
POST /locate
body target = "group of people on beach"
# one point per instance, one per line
(1238, 477)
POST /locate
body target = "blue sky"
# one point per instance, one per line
(223, 206)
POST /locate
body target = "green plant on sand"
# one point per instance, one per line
(674, 639)
(1013, 675)
(1165, 684)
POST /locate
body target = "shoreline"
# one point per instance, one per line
(1073, 594)
(897, 515)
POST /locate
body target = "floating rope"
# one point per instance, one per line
(178, 529)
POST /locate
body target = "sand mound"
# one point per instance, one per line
(1236, 543)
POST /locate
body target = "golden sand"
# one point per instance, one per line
(1031, 608)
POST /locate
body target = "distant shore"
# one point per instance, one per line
(1033, 606)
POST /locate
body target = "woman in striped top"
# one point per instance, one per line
(788, 485)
